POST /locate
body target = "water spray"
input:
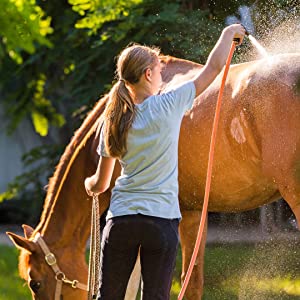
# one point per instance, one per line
(262, 51)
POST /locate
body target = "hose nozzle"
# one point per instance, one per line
(246, 31)
(237, 40)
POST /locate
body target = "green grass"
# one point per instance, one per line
(11, 286)
(232, 272)
(269, 271)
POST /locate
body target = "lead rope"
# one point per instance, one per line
(94, 260)
(208, 174)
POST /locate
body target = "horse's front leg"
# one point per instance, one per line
(188, 232)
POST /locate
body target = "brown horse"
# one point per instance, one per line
(257, 160)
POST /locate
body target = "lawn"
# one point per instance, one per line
(241, 272)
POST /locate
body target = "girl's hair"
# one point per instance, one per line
(119, 113)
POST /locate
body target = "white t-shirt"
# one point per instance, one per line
(148, 183)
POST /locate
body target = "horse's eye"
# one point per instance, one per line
(34, 285)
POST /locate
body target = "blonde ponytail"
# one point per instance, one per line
(119, 115)
(120, 110)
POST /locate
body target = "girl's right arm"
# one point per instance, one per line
(100, 181)
(218, 56)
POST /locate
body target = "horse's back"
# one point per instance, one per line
(258, 133)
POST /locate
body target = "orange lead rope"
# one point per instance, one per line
(208, 174)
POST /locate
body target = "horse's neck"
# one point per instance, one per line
(68, 220)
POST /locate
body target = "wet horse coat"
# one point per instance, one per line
(256, 162)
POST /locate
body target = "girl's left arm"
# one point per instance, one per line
(100, 181)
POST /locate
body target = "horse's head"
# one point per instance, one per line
(47, 273)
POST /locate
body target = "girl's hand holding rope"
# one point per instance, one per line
(89, 187)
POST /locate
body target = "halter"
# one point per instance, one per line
(60, 277)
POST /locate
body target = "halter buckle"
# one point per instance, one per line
(50, 259)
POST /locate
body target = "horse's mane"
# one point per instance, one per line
(77, 142)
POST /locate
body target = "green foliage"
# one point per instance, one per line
(23, 27)
(22, 23)
(188, 34)
(26, 192)
(40, 163)
(43, 111)
(192, 36)
(29, 99)
(96, 13)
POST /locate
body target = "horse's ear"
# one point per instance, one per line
(28, 230)
(22, 243)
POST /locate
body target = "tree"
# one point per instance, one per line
(22, 23)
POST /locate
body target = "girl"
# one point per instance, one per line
(141, 130)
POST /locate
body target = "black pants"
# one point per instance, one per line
(122, 237)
